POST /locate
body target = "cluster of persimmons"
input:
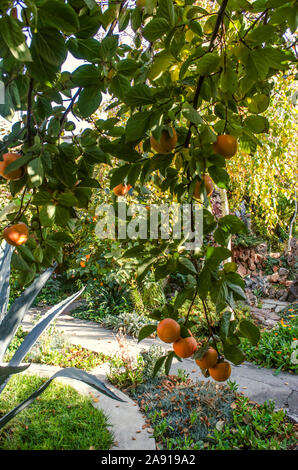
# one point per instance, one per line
(169, 331)
(225, 145)
(16, 234)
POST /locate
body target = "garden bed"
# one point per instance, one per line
(189, 415)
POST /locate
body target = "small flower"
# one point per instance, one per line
(278, 352)
(82, 264)
(295, 339)
(276, 334)
(101, 283)
(94, 279)
(88, 257)
(291, 310)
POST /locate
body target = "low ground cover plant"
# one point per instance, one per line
(54, 349)
(61, 419)
(190, 415)
(276, 348)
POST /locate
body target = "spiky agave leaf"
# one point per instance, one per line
(18, 310)
(36, 332)
(6, 251)
(7, 370)
(70, 373)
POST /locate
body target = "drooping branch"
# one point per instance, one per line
(69, 109)
(201, 79)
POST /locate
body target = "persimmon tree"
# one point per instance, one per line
(188, 72)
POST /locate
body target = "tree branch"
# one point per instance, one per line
(201, 79)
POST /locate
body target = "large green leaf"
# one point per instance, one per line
(146, 331)
(250, 331)
(86, 75)
(6, 251)
(18, 310)
(50, 44)
(89, 100)
(14, 38)
(58, 15)
(155, 29)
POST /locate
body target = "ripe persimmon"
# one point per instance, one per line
(168, 330)
(208, 360)
(16, 234)
(14, 175)
(185, 347)
(208, 185)
(166, 143)
(225, 145)
(221, 371)
(121, 189)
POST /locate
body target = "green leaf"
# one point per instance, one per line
(41, 198)
(36, 172)
(137, 125)
(219, 176)
(250, 331)
(14, 38)
(161, 62)
(89, 100)
(191, 114)
(158, 365)
(127, 67)
(257, 124)
(166, 10)
(50, 45)
(91, 4)
(187, 265)
(146, 331)
(119, 175)
(62, 215)
(67, 199)
(139, 95)
(155, 29)
(229, 80)
(215, 255)
(204, 283)
(258, 103)
(86, 75)
(224, 325)
(232, 224)
(120, 85)
(208, 63)
(234, 354)
(58, 15)
(169, 361)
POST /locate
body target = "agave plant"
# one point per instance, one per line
(11, 319)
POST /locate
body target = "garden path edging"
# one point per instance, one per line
(125, 418)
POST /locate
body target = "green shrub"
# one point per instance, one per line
(102, 300)
(255, 427)
(129, 323)
(275, 348)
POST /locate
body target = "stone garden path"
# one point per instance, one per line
(259, 384)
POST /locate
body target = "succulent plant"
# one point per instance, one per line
(11, 319)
